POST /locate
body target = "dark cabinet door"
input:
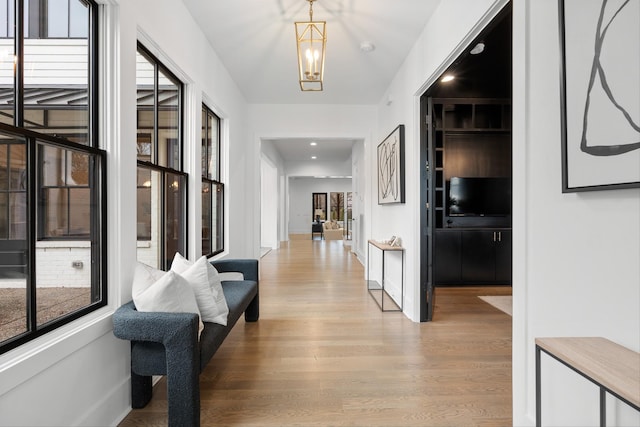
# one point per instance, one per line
(503, 256)
(447, 256)
(478, 256)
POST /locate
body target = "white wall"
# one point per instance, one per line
(318, 168)
(426, 60)
(270, 154)
(576, 270)
(268, 205)
(574, 255)
(79, 374)
(300, 199)
(355, 122)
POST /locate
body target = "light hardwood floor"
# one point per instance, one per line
(323, 354)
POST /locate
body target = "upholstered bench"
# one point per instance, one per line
(168, 343)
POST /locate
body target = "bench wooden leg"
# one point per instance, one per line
(140, 390)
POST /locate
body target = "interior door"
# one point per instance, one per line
(427, 208)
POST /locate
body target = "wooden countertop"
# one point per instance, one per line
(609, 364)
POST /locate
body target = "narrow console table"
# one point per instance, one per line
(375, 286)
(610, 366)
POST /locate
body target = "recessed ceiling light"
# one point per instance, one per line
(447, 78)
(313, 143)
(313, 157)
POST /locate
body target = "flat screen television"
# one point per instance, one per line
(472, 196)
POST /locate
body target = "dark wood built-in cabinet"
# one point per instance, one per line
(472, 256)
(471, 149)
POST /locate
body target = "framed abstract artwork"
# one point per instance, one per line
(391, 168)
(600, 94)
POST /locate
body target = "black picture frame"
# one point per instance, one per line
(600, 121)
(390, 171)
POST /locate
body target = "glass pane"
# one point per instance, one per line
(63, 280)
(64, 167)
(58, 18)
(13, 186)
(337, 206)
(4, 215)
(18, 169)
(218, 217)
(175, 219)
(214, 165)
(18, 216)
(56, 79)
(206, 218)
(78, 19)
(78, 169)
(211, 148)
(13, 299)
(4, 167)
(319, 207)
(168, 122)
(66, 276)
(149, 216)
(53, 166)
(79, 211)
(146, 99)
(7, 62)
(4, 23)
(52, 83)
(55, 205)
(65, 197)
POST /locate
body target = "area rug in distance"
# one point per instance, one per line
(501, 302)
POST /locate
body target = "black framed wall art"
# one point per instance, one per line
(600, 94)
(391, 168)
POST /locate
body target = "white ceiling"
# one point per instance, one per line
(255, 40)
(301, 150)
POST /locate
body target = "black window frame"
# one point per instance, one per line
(97, 172)
(213, 186)
(154, 165)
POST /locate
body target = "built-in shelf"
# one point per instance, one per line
(471, 138)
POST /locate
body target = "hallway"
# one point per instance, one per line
(323, 354)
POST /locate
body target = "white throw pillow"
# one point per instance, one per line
(203, 278)
(143, 277)
(171, 294)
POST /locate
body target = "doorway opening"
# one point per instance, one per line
(465, 186)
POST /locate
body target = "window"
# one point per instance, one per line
(46, 19)
(161, 183)
(212, 188)
(52, 171)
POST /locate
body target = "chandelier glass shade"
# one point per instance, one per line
(311, 39)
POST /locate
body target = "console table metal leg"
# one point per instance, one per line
(538, 390)
(382, 283)
(603, 407)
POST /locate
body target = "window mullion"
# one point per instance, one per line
(32, 203)
(162, 240)
(156, 115)
(18, 38)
